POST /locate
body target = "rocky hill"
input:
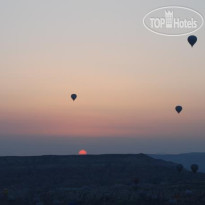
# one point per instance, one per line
(92, 179)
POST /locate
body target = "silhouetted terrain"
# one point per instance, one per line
(186, 159)
(97, 179)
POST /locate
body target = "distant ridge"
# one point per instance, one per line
(185, 158)
(85, 177)
(74, 170)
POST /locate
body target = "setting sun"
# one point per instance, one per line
(82, 152)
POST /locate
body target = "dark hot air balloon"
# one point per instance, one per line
(73, 96)
(192, 40)
(194, 168)
(178, 108)
(179, 168)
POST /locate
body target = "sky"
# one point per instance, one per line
(128, 79)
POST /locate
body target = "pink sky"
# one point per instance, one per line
(128, 80)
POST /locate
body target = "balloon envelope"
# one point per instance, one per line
(73, 96)
(194, 168)
(179, 167)
(192, 40)
(178, 108)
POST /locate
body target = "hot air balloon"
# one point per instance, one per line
(194, 168)
(179, 168)
(178, 108)
(192, 40)
(73, 96)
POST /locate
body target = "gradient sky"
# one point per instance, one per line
(128, 79)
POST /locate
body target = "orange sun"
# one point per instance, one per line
(82, 152)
